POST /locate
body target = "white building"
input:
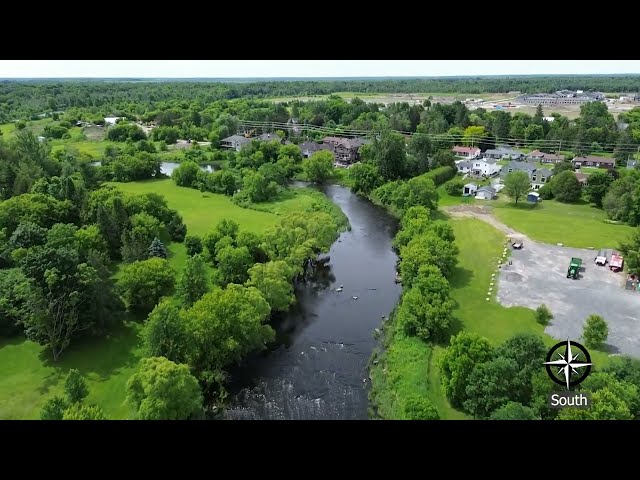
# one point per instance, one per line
(111, 120)
(486, 167)
(469, 189)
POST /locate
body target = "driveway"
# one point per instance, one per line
(538, 274)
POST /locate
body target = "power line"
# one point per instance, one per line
(540, 143)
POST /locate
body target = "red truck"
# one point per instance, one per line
(616, 262)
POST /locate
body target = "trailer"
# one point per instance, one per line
(601, 258)
(574, 268)
(616, 263)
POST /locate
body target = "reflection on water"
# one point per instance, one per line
(167, 168)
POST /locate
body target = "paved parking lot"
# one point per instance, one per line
(538, 274)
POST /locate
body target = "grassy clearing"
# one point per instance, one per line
(202, 211)
(576, 225)
(93, 149)
(35, 126)
(29, 377)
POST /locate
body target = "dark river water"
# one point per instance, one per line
(317, 369)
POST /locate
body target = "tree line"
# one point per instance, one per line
(20, 98)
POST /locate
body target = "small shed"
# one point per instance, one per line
(486, 193)
(533, 197)
(469, 189)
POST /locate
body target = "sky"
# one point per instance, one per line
(304, 68)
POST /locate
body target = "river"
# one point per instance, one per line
(317, 368)
(167, 168)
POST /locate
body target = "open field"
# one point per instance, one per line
(576, 225)
(29, 377)
(201, 211)
(388, 98)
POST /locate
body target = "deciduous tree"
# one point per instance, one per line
(144, 282)
(273, 280)
(318, 167)
(194, 281)
(164, 390)
(516, 185)
(565, 187)
(595, 331)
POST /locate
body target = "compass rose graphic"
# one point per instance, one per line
(566, 366)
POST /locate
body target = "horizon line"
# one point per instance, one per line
(320, 77)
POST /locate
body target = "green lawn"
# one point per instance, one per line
(579, 225)
(29, 376)
(94, 149)
(202, 211)
(36, 127)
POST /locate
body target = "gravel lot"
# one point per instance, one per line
(538, 274)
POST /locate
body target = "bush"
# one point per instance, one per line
(176, 228)
(441, 174)
(543, 315)
(193, 244)
(419, 408)
(454, 188)
(144, 282)
(546, 192)
(595, 331)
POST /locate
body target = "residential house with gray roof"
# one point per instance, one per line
(235, 142)
(503, 153)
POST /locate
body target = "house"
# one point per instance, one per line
(592, 161)
(630, 163)
(582, 178)
(536, 155)
(464, 166)
(345, 150)
(527, 167)
(486, 193)
(539, 177)
(485, 167)
(469, 189)
(551, 158)
(235, 142)
(309, 148)
(503, 153)
(466, 152)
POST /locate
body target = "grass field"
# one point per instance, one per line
(202, 211)
(412, 365)
(29, 377)
(575, 225)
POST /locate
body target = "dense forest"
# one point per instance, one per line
(20, 99)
